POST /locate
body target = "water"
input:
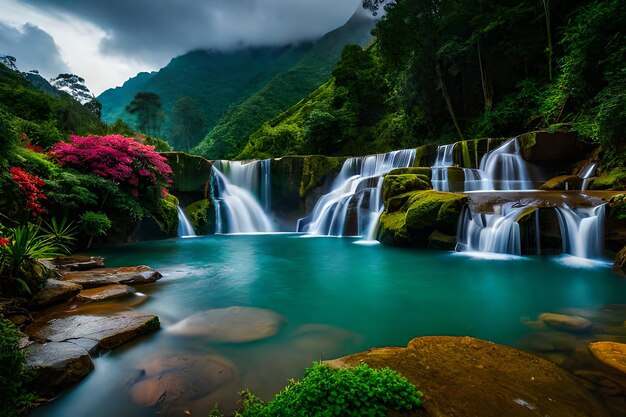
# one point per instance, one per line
(337, 297)
(505, 169)
(354, 203)
(586, 173)
(237, 186)
(582, 229)
(185, 229)
(440, 169)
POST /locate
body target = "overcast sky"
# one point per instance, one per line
(108, 41)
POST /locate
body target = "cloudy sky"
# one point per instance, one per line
(109, 41)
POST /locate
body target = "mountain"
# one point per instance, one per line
(229, 136)
(74, 86)
(216, 80)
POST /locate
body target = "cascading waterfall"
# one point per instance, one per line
(353, 205)
(237, 210)
(582, 229)
(505, 169)
(185, 229)
(440, 169)
(496, 232)
(586, 173)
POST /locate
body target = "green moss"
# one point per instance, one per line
(166, 215)
(613, 180)
(427, 172)
(202, 216)
(394, 185)
(528, 140)
(315, 168)
(189, 172)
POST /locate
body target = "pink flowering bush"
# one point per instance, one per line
(135, 167)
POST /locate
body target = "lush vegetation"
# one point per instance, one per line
(229, 136)
(442, 70)
(13, 377)
(326, 392)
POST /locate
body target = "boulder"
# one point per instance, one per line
(131, 275)
(411, 218)
(181, 378)
(54, 292)
(564, 322)
(57, 364)
(109, 330)
(190, 173)
(619, 265)
(563, 182)
(463, 376)
(394, 185)
(202, 216)
(107, 292)
(611, 354)
(77, 262)
(230, 325)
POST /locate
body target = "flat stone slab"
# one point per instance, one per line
(107, 292)
(612, 354)
(109, 330)
(230, 325)
(55, 292)
(100, 277)
(565, 322)
(463, 376)
(77, 262)
(57, 364)
(181, 378)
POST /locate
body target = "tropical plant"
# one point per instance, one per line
(327, 392)
(63, 233)
(20, 271)
(14, 396)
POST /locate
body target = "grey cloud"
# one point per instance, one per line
(33, 48)
(156, 30)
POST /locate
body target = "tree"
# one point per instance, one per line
(148, 112)
(187, 124)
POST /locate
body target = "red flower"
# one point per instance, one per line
(31, 187)
(4, 241)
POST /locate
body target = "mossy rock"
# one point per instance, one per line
(425, 171)
(469, 153)
(441, 241)
(613, 180)
(425, 156)
(394, 185)
(202, 216)
(419, 215)
(190, 173)
(560, 146)
(563, 182)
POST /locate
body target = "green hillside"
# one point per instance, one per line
(213, 79)
(228, 137)
(444, 71)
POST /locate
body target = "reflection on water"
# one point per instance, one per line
(336, 297)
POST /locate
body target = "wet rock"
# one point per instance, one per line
(77, 263)
(563, 182)
(565, 322)
(550, 342)
(610, 353)
(181, 378)
(619, 265)
(55, 292)
(132, 275)
(107, 292)
(57, 364)
(230, 325)
(109, 330)
(463, 376)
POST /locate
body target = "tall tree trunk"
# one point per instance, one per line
(487, 92)
(546, 8)
(446, 96)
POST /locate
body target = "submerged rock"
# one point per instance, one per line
(565, 322)
(230, 325)
(610, 353)
(57, 364)
(109, 330)
(131, 275)
(463, 376)
(54, 292)
(107, 292)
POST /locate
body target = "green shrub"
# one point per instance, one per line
(13, 377)
(94, 224)
(326, 392)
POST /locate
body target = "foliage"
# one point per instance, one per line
(148, 112)
(187, 124)
(13, 376)
(358, 391)
(94, 224)
(30, 186)
(20, 271)
(135, 167)
(63, 233)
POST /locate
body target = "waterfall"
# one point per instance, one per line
(496, 232)
(266, 185)
(237, 209)
(586, 173)
(354, 203)
(505, 169)
(185, 229)
(582, 229)
(440, 169)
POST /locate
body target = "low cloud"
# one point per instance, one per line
(33, 48)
